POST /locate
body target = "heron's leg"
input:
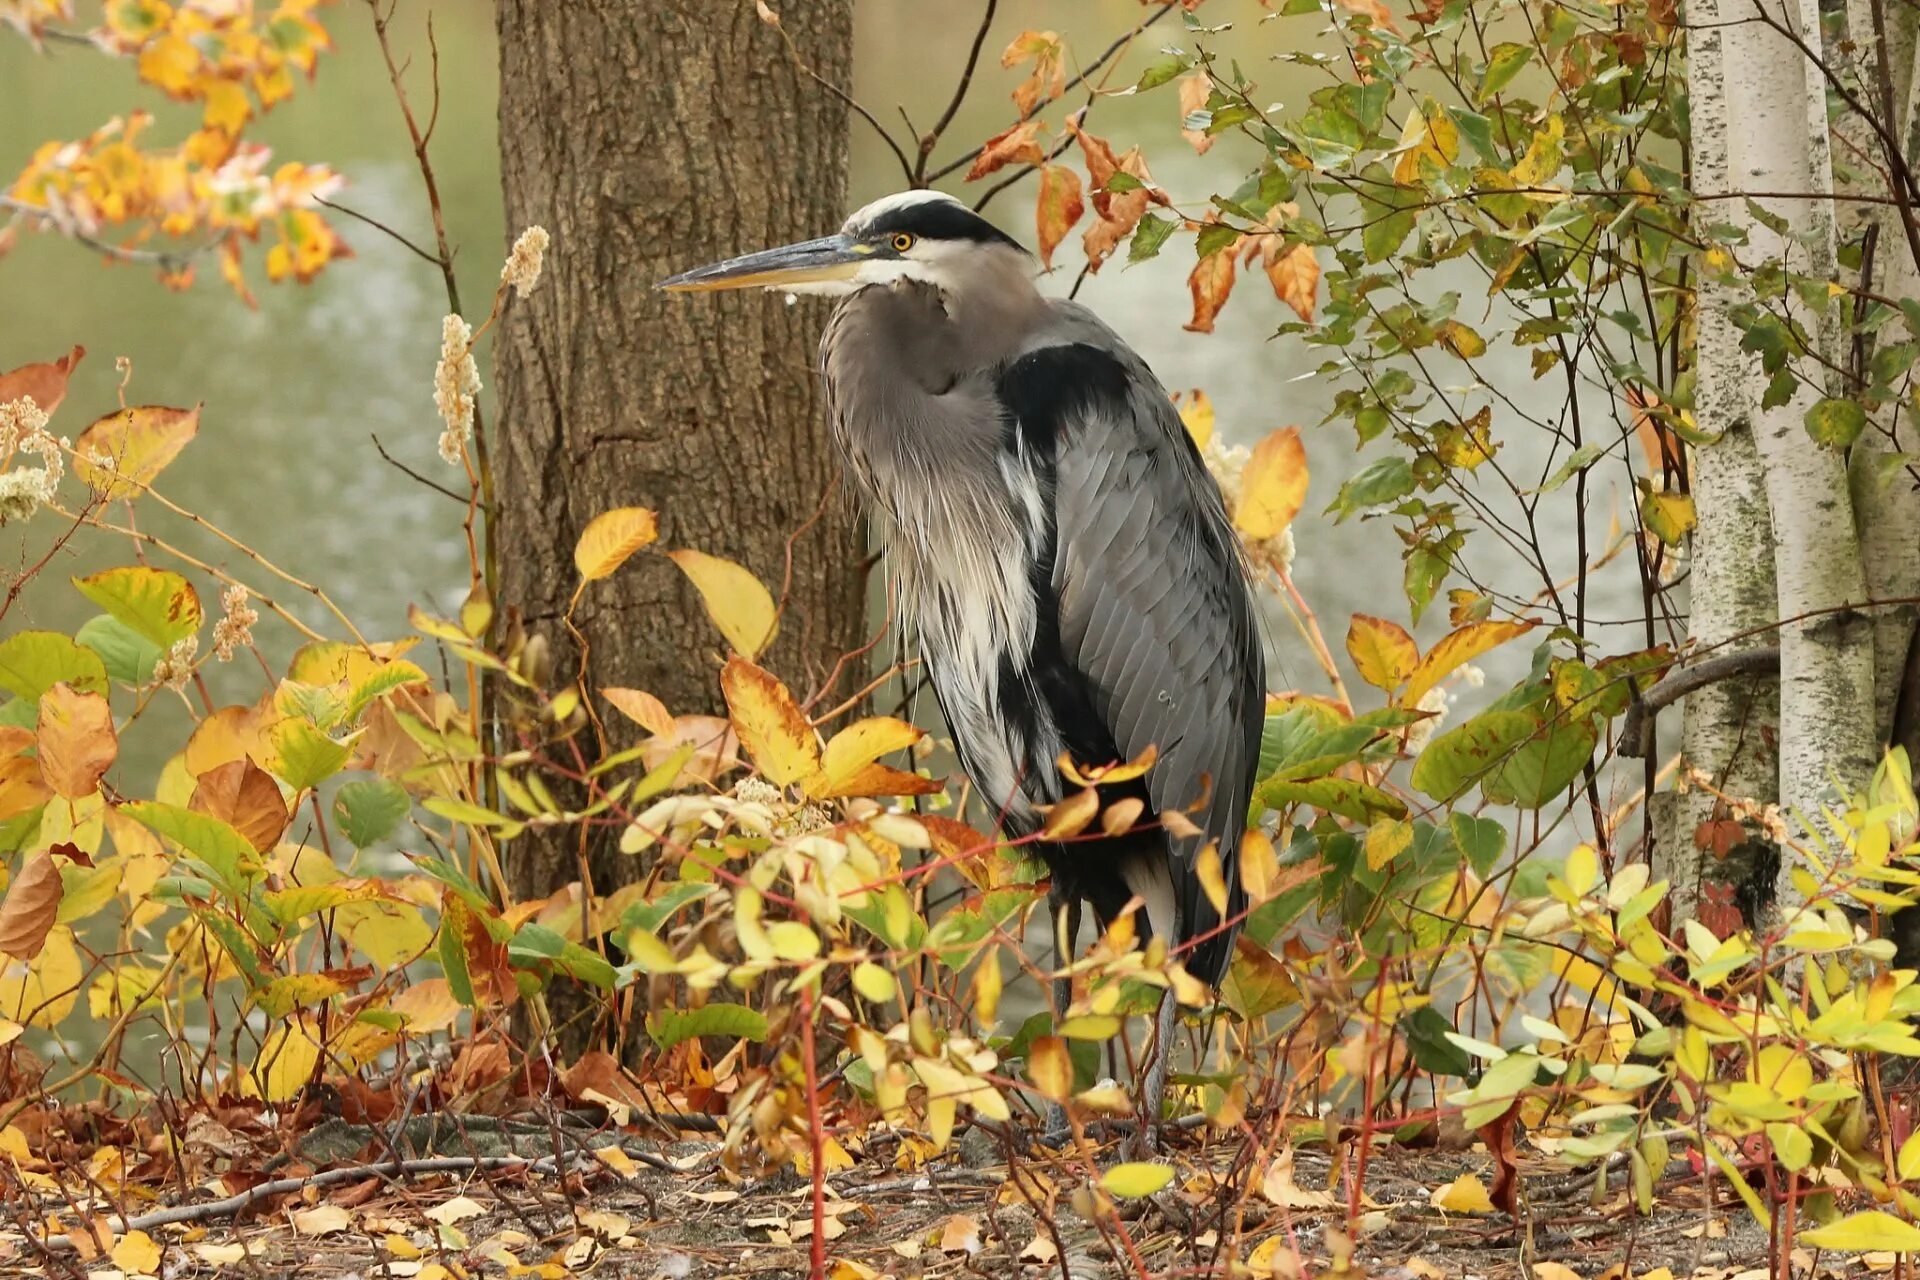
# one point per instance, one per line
(1153, 1088)
(1066, 931)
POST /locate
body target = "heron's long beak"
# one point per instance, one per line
(828, 258)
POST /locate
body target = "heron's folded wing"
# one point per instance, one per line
(1151, 596)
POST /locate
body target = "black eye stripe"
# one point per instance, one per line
(937, 220)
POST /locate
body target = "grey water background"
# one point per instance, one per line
(295, 391)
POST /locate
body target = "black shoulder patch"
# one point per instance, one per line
(1042, 388)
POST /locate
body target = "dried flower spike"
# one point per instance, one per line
(235, 629)
(523, 263)
(455, 382)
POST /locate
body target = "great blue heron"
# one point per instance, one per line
(1064, 558)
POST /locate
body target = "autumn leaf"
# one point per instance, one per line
(76, 740)
(640, 707)
(30, 908)
(1210, 282)
(1119, 211)
(771, 725)
(1430, 135)
(44, 383)
(1465, 1194)
(610, 538)
(1373, 9)
(1273, 486)
(851, 765)
(737, 602)
(1455, 650)
(1196, 415)
(1059, 208)
(1018, 145)
(1294, 273)
(1382, 651)
(137, 445)
(245, 797)
(1047, 53)
(158, 603)
(1195, 89)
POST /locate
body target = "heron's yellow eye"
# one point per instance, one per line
(902, 242)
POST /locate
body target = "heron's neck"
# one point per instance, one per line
(993, 307)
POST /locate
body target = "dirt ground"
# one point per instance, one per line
(967, 1214)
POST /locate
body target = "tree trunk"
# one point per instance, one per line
(1727, 726)
(649, 136)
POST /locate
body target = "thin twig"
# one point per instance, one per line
(931, 139)
(165, 259)
(408, 471)
(377, 225)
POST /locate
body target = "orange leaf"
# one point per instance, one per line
(770, 724)
(1047, 53)
(1210, 283)
(1119, 212)
(1295, 274)
(1195, 89)
(1373, 9)
(1273, 486)
(1020, 144)
(138, 444)
(1071, 816)
(851, 765)
(32, 904)
(610, 538)
(44, 383)
(642, 708)
(245, 797)
(1382, 651)
(1060, 206)
(76, 740)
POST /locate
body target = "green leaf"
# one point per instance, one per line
(1464, 754)
(32, 662)
(1387, 213)
(224, 851)
(1160, 72)
(1481, 841)
(1356, 800)
(1148, 236)
(1378, 483)
(1134, 1181)
(303, 756)
(127, 655)
(157, 603)
(1872, 1231)
(234, 941)
(388, 678)
(1504, 62)
(1585, 456)
(1836, 423)
(670, 1027)
(1538, 770)
(1426, 1031)
(453, 963)
(370, 810)
(536, 943)
(1214, 237)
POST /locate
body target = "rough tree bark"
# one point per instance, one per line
(649, 136)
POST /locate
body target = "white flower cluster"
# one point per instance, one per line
(23, 430)
(1228, 464)
(234, 630)
(175, 667)
(523, 263)
(455, 382)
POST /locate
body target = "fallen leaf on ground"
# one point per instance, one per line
(1465, 1194)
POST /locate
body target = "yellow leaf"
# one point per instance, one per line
(1212, 881)
(1554, 1271)
(1860, 1232)
(43, 991)
(610, 538)
(137, 444)
(1465, 1194)
(285, 1064)
(875, 984)
(1259, 866)
(1070, 817)
(1429, 135)
(851, 764)
(429, 1006)
(1669, 516)
(1196, 414)
(1135, 1180)
(770, 724)
(1278, 1186)
(1382, 651)
(1544, 154)
(642, 708)
(321, 1220)
(137, 1253)
(1273, 486)
(458, 1209)
(739, 605)
(1387, 839)
(618, 1161)
(1455, 650)
(1050, 1068)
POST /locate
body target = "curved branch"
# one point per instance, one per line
(1636, 730)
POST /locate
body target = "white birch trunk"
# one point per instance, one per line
(1827, 721)
(1731, 589)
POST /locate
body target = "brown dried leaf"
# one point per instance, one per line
(76, 740)
(245, 797)
(44, 383)
(1059, 208)
(1373, 9)
(1018, 145)
(1210, 283)
(31, 906)
(1195, 89)
(1119, 211)
(1294, 273)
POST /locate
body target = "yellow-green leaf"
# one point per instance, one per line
(1455, 650)
(1136, 1179)
(610, 538)
(737, 601)
(159, 604)
(136, 444)
(303, 756)
(1871, 1231)
(1382, 651)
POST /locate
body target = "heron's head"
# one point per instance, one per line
(924, 236)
